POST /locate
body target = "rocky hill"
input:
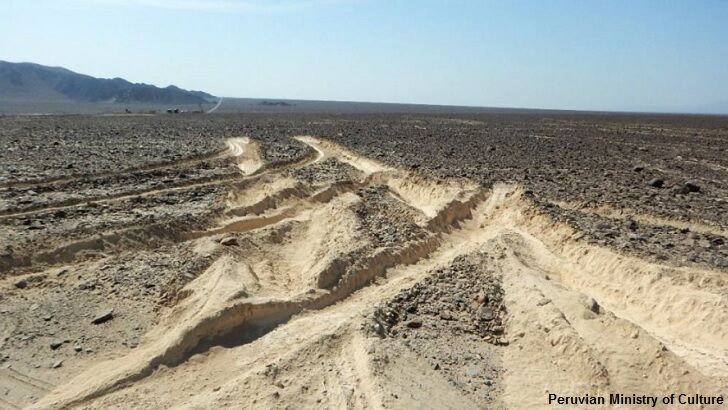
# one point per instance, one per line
(34, 83)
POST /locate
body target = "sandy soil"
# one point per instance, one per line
(330, 279)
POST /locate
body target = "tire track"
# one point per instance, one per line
(149, 167)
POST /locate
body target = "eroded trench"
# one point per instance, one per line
(337, 235)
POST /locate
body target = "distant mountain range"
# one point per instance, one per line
(25, 83)
(28, 88)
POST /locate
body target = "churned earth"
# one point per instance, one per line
(360, 261)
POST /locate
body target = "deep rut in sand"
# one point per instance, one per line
(307, 252)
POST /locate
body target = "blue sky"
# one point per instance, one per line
(596, 55)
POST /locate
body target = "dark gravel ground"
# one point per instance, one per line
(51, 318)
(38, 148)
(669, 167)
(681, 246)
(23, 198)
(605, 160)
(45, 147)
(638, 163)
(153, 219)
(68, 178)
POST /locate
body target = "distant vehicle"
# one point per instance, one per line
(172, 110)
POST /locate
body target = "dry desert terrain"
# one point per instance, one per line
(361, 261)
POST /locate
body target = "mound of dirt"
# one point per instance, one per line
(452, 320)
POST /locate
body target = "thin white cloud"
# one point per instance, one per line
(222, 6)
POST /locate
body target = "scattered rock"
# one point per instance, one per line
(631, 225)
(543, 302)
(56, 344)
(656, 183)
(103, 316)
(21, 284)
(592, 305)
(485, 313)
(720, 262)
(57, 364)
(687, 188)
(692, 187)
(414, 324)
(229, 241)
(88, 285)
(472, 372)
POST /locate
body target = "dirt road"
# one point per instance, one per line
(213, 109)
